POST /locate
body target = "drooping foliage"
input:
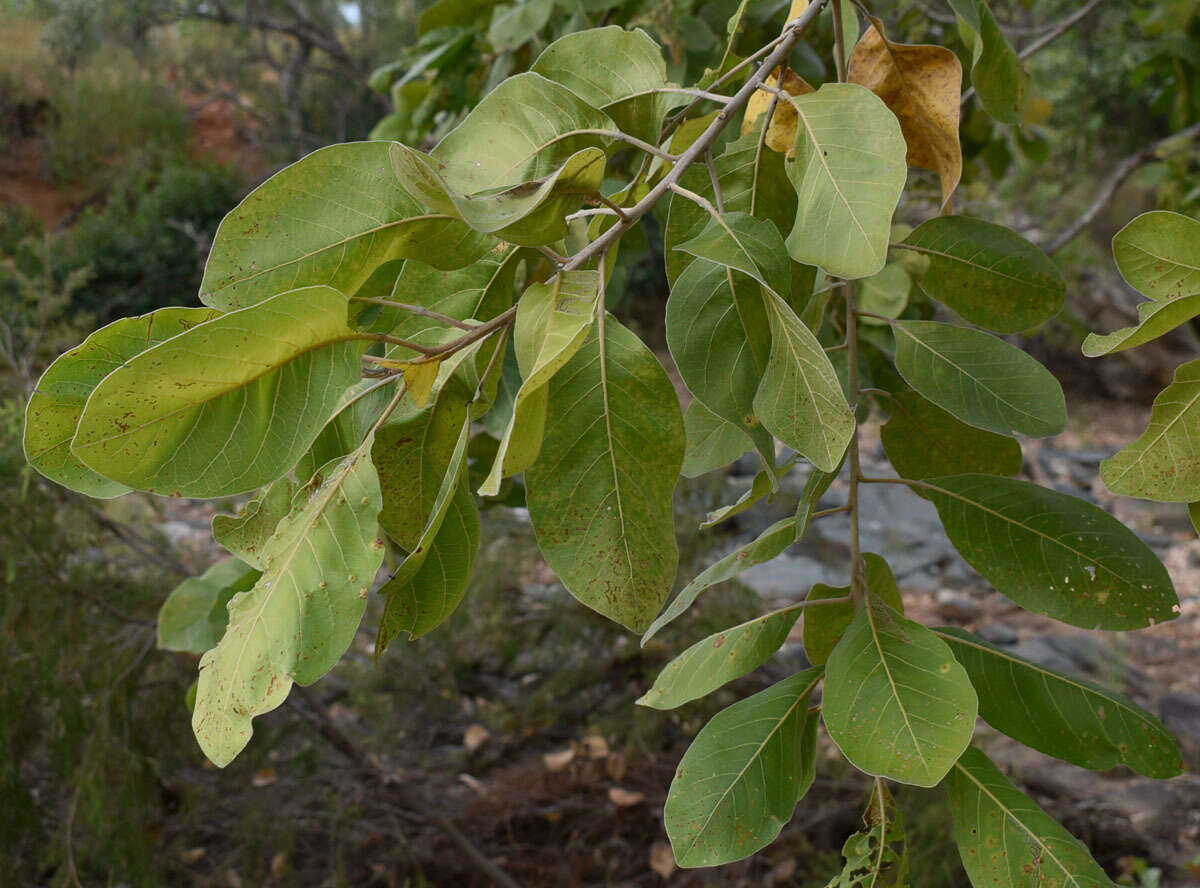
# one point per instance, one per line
(375, 311)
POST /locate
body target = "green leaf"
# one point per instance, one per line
(413, 454)
(1194, 513)
(303, 612)
(1155, 319)
(513, 25)
(1164, 463)
(825, 624)
(553, 321)
(719, 659)
(896, 701)
(885, 293)
(227, 406)
(762, 486)
(419, 603)
(530, 126)
(846, 196)
(766, 546)
(1053, 554)
(712, 442)
(1066, 717)
(246, 534)
(193, 617)
(719, 334)
(1158, 254)
(980, 379)
(617, 71)
(814, 488)
(877, 848)
(741, 778)
(54, 408)
(600, 494)
(752, 181)
(987, 273)
(355, 415)
(800, 400)
(1007, 840)
(454, 14)
(746, 244)
(996, 71)
(272, 241)
(529, 213)
(923, 440)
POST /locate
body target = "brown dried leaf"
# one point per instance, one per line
(474, 737)
(556, 761)
(662, 860)
(624, 798)
(263, 777)
(616, 766)
(781, 136)
(922, 85)
(596, 746)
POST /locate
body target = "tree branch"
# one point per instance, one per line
(1123, 171)
(782, 49)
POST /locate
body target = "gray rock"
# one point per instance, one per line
(952, 605)
(998, 633)
(1180, 711)
(788, 577)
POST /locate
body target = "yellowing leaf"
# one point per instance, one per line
(799, 7)
(921, 85)
(420, 376)
(781, 136)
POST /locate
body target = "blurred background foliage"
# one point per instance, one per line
(128, 128)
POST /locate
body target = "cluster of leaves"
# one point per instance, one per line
(1158, 254)
(390, 337)
(465, 48)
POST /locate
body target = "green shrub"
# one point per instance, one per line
(109, 115)
(146, 245)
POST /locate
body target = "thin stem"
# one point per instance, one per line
(416, 310)
(859, 313)
(471, 336)
(839, 42)
(781, 50)
(699, 199)
(716, 182)
(1123, 171)
(837, 348)
(593, 211)
(856, 584)
(702, 94)
(612, 206)
(494, 361)
(834, 511)
(396, 340)
(632, 140)
(813, 602)
(551, 255)
(904, 481)
(679, 117)
(878, 392)
(1052, 34)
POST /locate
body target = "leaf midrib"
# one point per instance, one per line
(163, 417)
(965, 373)
(802, 697)
(1097, 562)
(1011, 816)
